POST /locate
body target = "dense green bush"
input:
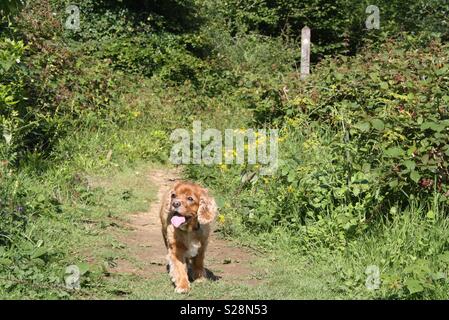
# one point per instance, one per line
(143, 37)
(337, 26)
(52, 86)
(361, 138)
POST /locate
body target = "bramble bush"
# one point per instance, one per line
(361, 139)
(388, 113)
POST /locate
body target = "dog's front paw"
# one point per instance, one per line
(183, 288)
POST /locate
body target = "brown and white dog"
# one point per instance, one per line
(186, 214)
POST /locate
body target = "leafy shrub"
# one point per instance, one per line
(47, 86)
(359, 141)
(143, 37)
(13, 119)
(411, 252)
(338, 26)
(388, 112)
(157, 54)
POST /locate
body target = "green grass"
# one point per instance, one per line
(82, 233)
(277, 274)
(282, 278)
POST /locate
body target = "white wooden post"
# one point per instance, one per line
(305, 52)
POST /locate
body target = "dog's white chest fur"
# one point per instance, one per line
(192, 251)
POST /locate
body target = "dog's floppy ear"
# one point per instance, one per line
(208, 208)
(167, 200)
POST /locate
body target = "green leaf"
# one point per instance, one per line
(430, 215)
(83, 267)
(394, 152)
(415, 176)
(6, 65)
(5, 261)
(420, 120)
(411, 151)
(410, 165)
(438, 276)
(425, 159)
(442, 70)
(384, 85)
(338, 76)
(8, 137)
(393, 210)
(394, 183)
(366, 167)
(433, 126)
(374, 76)
(414, 286)
(219, 201)
(363, 126)
(39, 252)
(378, 124)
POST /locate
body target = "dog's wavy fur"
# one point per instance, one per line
(187, 244)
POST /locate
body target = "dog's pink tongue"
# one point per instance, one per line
(177, 221)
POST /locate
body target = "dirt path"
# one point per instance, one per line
(146, 251)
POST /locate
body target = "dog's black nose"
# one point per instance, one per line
(176, 203)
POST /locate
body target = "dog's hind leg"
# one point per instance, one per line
(198, 264)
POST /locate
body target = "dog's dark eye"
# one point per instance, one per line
(173, 195)
(190, 198)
